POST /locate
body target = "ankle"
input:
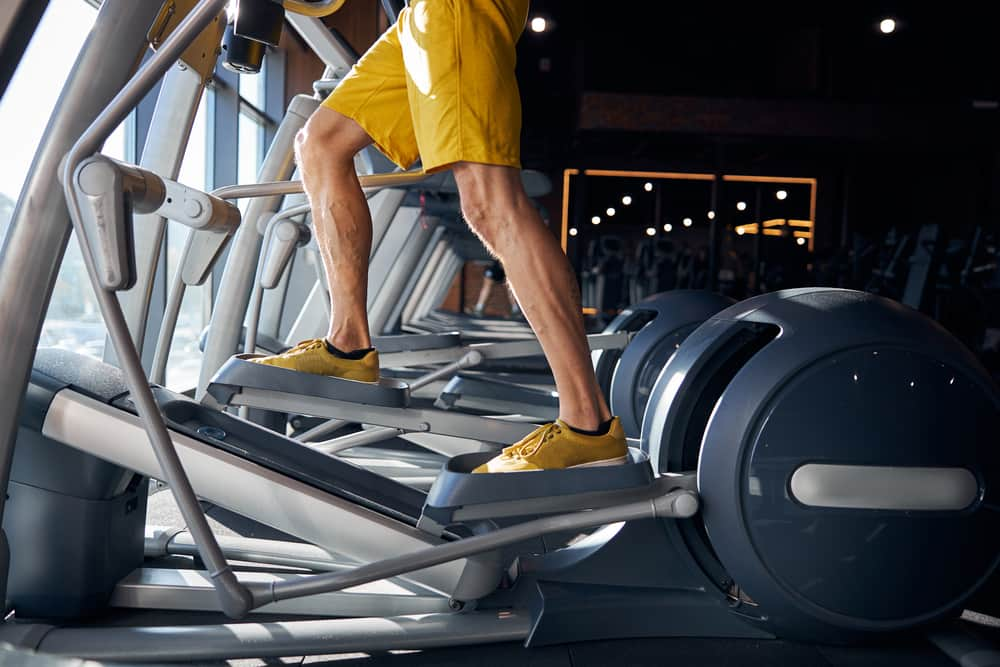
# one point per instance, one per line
(602, 428)
(350, 343)
(354, 355)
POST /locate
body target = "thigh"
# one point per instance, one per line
(459, 57)
(374, 96)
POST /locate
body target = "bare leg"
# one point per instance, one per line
(325, 149)
(498, 210)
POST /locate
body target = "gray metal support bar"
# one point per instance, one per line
(476, 428)
(36, 240)
(234, 290)
(361, 438)
(469, 359)
(259, 640)
(166, 141)
(331, 51)
(291, 554)
(503, 350)
(233, 597)
(326, 428)
(680, 503)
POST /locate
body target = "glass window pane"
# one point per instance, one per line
(33, 91)
(250, 154)
(185, 356)
(252, 87)
(73, 321)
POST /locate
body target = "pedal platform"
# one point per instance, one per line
(239, 373)
(459, 495)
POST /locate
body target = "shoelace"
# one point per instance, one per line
(311, 344)
(533, 442)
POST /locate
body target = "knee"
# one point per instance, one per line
(321, 140)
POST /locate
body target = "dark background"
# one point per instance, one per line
(900, 130)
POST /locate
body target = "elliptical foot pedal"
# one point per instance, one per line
(239, 374)
(458, 495)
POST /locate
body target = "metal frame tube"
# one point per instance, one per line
(233, 597)
(257, 297)
(335, 55)
(169, 132)
(259, 640)
(679, 503)
(171, 311)
(36, 240)
(326, 428)
(251, 550)
(368, 436)
(233, 296)
(469, 359)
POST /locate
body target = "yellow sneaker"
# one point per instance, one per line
(557, 446)
(312, 356)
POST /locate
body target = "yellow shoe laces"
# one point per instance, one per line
(533, 441)
(311, 344)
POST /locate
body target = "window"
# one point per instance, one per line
(33, 92)
(252, 127)
(73, 320)
(227, 145)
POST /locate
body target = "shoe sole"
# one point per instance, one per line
(606, 462)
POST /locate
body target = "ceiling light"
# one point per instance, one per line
(650, 231)
(573, 231)
(538, 24)
(887, 26)
(648, 187)
(781, 194)
(626, 200)
(610, 211)
(741, 206)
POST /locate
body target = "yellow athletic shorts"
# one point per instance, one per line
(440, 85)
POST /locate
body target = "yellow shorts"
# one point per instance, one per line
(440, 85)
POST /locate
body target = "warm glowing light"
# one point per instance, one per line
(711, 215)
(887, 26)
(648, 187)
(668, 228)
(688, 222)
(781, 194)
(538, 24)
(596, 220)
(572, 231)
(741, 206)
(740, 231)
(626, 200)
(610, 211)
(650, 231)
(800, 241)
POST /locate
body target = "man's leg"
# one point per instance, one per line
(325, 149)
(498, 210)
